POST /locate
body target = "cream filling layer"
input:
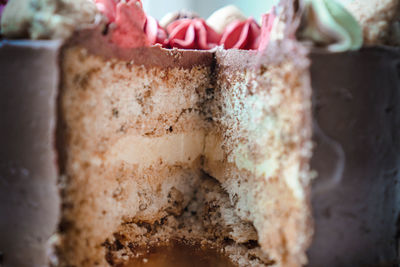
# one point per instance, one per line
(170, 149)
(185, 148)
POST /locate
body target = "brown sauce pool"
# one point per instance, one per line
(181, 255)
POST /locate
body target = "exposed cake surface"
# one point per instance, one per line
(150, 132)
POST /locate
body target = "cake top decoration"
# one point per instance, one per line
(108, 8)
(334, 25)
(127, 23)
(2, 5)
(242, 35)
(268, 21)
(182, 14)
(130, 21)
(154, 32)
(46, 19)
(224, 16)
(130, 27)
(192, 34)
(328, 23)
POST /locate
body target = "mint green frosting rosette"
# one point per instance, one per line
(327, 22)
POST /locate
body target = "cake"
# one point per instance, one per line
(153, 147)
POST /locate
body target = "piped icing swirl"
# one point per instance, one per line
(46, 19)
(325, 22)
(130, 27)
(130, 21)
(192, 34)
(328, 23)
(242, 35)
(266, 29)
(224, 16)
(182, 14)
(154, 32)
(108, 8)
(3, 3)
(127, 22)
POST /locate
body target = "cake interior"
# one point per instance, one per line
(194, 153)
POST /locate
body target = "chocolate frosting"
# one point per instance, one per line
(357, 128)
(29, 199)
(155, 56)
(237, 59)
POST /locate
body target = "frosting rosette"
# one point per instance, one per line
(192, 34)
(128, 22)
(107, 8)
(3, 3)
(155, 33)
(46, 19)
(328, 24)
(224, 16)
(266, 29)
(131, 27)
(242, 35)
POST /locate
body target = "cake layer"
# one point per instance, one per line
(123, 98)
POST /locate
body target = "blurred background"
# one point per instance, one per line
(158, 8)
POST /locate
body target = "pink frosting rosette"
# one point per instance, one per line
(241, 35)
(130, 20)
(131, 27)
(107, 8)
(155, 33)
(192, 34)
(266, 28)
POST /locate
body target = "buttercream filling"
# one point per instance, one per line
(171, 149)
(213, 147)
(181, 149)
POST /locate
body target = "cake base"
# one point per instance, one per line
(180, 254)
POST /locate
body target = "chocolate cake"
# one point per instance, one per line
(115, 149)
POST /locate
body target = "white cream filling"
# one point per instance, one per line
(182, 148)
(185, 148)
(213, 148)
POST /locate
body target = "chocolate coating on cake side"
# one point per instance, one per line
(29, 199)
(356, 129)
